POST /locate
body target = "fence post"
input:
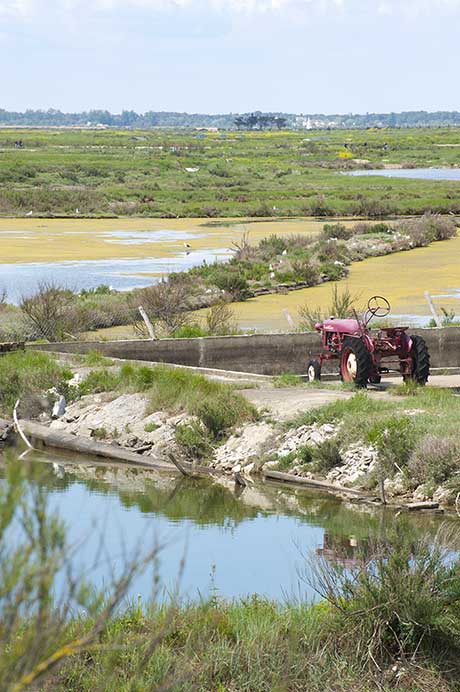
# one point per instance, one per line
(148, 324)
(436, 317)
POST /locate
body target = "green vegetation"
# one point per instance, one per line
(251, 174)
(176, 390)
(416, 434)
(308, 261)
(24, 375)
(288, 379)
(391, 620)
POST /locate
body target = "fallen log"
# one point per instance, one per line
(84, 445)
(414, 506)
(310, 482)
(182, 467)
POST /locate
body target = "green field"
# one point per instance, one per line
(250, 174)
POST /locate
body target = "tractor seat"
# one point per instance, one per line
(338, 325)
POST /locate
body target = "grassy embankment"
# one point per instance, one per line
(255, 174)
(415, 434)
(214, 408)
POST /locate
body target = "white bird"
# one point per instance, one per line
(272, 275)
(58, 470)
(284, 253)
(77, 210)
(187, 245)
(29, 213)
(270, 266)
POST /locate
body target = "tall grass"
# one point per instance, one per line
(177, 390)
(26, 373)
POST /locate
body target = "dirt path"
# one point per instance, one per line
(285, 403)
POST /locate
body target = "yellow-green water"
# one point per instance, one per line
(402, 278)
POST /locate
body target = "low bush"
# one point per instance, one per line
(394, 438)
(327, 456)
(399, 603)
(193, 439)
(27, 373)
(337, 231)
(434, 460)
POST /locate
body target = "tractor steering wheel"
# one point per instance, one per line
(378, 306)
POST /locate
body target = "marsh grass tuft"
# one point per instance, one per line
(218, 406)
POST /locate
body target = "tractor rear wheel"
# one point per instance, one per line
(313, 370)
(420, 361)
(355, 362)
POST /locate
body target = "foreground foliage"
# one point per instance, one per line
(389, 621)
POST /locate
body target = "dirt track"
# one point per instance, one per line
(284, 403)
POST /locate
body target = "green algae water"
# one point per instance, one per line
(230, 543)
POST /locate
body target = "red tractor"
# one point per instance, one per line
(362, 354)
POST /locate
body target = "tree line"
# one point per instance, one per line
(257, 120)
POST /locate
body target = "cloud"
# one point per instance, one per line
(24, 9)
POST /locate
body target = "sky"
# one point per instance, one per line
(218, 56)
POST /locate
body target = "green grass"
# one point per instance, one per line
(397, 605)
(406, 431)
(287, 379)
(218, 406)
(251, 174)
(26, 373)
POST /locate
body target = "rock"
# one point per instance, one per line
(443, 496)
(246, 445)
(395, 485)
(248, 469)
(358, 461)
(420, 494)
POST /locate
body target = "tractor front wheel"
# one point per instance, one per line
(355, 362)
(314, 370)
(420, 361)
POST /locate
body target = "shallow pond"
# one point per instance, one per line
(235, 544)
(128, 253)
(418, 173)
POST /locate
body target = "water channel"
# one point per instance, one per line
(414, 173)
(233, 544)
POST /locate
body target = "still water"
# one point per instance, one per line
(419, 173)
(234, 544)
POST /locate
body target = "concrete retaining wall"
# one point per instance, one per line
(266, 354)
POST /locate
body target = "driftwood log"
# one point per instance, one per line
(84, 445)
(309, 482)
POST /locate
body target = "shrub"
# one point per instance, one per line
(165, 303)
(26, 373)
(398, 601)
(394, 438)
(193, 438)
(336, 230)
(305, 454)
(341, 305)
(220, 320)
(53, 312)
(434, 460)
(327, 455)
(305, 270)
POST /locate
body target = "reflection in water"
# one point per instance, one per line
(255, 542)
